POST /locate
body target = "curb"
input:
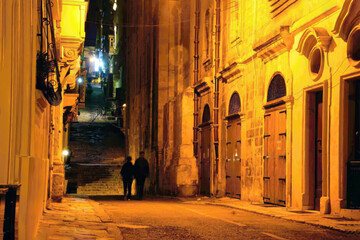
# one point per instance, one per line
(285, 218)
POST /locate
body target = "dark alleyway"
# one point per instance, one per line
(97, 147)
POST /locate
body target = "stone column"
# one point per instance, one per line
(58, 176)
(289, 113)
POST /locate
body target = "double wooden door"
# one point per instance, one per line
(233, 159)
(205, 160)
(275, 156)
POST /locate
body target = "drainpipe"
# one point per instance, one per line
(216, 92)
(196, 77)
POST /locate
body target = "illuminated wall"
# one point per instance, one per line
(305, 42)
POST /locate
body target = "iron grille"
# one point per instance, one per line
(277, 88)
(47, 69)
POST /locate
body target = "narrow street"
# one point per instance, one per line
(81, 218)
(171, 219)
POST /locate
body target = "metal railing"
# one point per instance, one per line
(9, 211)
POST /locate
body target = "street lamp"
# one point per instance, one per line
(65, 152)
(115, 6)
(80, 80)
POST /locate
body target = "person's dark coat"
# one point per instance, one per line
(127, 171)
(141, 168)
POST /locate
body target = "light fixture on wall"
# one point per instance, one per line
(115, 6)
(65, 152)
(80, 80)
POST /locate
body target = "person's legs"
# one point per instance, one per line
(138, 188)
(141, 187)
(129, 189)
(125, 188)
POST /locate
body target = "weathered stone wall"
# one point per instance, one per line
(97, 143)
(94, 180)
(257, 42)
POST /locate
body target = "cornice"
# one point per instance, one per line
(203, 86)
(234, 70)
(276, 45)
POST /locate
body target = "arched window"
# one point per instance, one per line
(277, 88)
(234, 105)
(206, 114)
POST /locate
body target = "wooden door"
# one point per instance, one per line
(318, 149)
(275, 157)
(233, 159)
(353, 145)
(205, 160)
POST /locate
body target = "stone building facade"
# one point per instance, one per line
(255, 100)
(40, 48)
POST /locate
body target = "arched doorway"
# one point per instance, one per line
(275, 143)
(233, 148)
(205, 150)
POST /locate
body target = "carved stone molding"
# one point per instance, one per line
(70, 99)
(312, 37)
(279, 6)
(233, 71)
(348, 18)
(70, 50)
(70, 80)
(203, 86)
(276, 45)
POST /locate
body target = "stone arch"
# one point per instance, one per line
(313, 43)
(277, 88)
(206, 114)
(312, 37)
(348, 18)
(234, 104)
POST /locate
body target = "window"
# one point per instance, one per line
(206, 114)
(234, 105)
(235, 21)
(277, 88)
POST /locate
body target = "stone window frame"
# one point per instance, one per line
(239, 22)
(206, 110)
(313, 44)
(230, 111)
(271, 87)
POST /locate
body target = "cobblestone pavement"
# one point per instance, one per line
(76, 218)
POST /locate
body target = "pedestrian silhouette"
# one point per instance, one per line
(127, 173)
(141, 173)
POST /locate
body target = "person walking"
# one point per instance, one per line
(141, 173)
(127, 173)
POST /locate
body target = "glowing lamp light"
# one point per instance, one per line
(80, 80)
(92, 59)
(124, 105)
(65, 152)
(115, 6)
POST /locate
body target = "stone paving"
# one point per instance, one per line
(309, 217)
(75, 219)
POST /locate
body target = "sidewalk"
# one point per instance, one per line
(308, 217)
(77, 218)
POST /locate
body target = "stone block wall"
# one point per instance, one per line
(94, 180)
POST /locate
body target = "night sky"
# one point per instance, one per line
(90, 25)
